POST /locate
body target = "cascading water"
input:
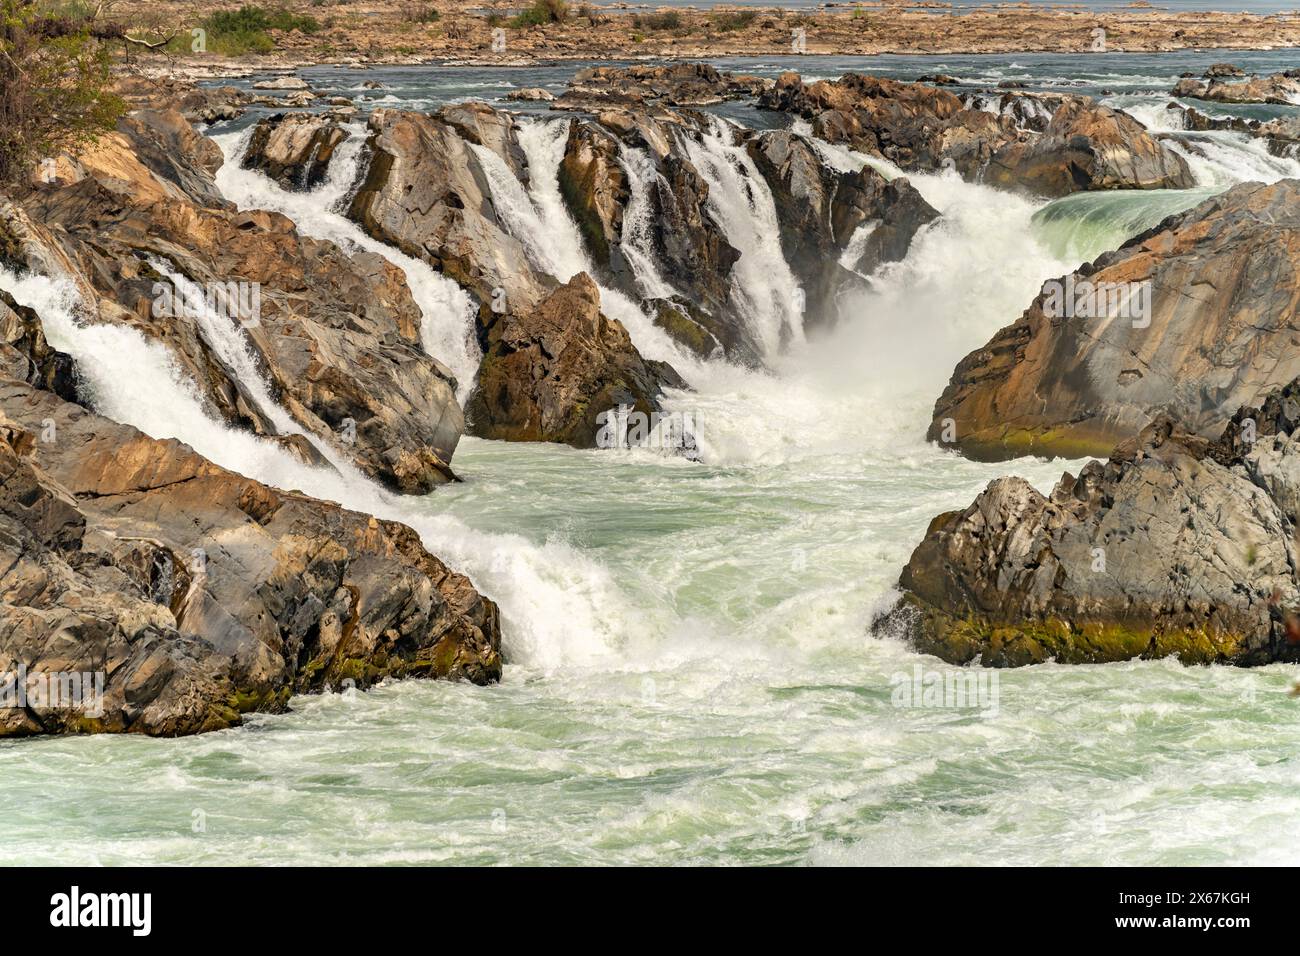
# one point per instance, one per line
(639, 222)
(447, 328)
(692, 674)
(1081, 226)
(538, 218)
(762, 282)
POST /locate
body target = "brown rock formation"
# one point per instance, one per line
(195, 594)
(1221, 330)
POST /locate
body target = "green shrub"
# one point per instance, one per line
(541, 13)
(736, 20)
(232, 32)
(420, 13)
(54, 84)
(670, 20)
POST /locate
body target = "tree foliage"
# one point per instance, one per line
(54, 82)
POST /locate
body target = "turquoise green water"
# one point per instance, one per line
(744, 716)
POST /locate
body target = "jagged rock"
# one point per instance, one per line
(198, 104)
(1087, 146)
(1007, 141)
(1027, 110)
(197, 594)
(426, 193)
(547, 374)
(480, 124)
(1193, 119)
(820, 209)
(337, 336)
(294, 149)
(1221, 331)
(673, 84)
(1282, 135)
(531, 94)
(1173, 547)
(26, 356)
(1223, 69)
(914, 125)
(164, 142)
(688, 244)
(595, 190)
(1279, 89)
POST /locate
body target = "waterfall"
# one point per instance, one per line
(447, 310)
(539, 219)
(638, 223)
(133, 379)
(224, 336)
(555, 601)
(763, 286)
(857, 244)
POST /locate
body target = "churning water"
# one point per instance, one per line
(692, 675)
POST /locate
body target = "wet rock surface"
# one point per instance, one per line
(335, 336)
(549, 373)
(1079, 373)
(195, 594)
(1175, 546)
(294, 149)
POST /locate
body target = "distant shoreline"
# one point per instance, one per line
(449, 34)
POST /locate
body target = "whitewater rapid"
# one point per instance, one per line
(691, 675)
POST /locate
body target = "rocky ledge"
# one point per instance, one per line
(195, 594)
(1175, 546)
(1281, 89)
(1193, 319)
(1009, 142)
(139, 226)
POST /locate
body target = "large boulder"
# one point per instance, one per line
(426, 193)
(595, 190)
(182, 595)
(1175, 546)
(294, 149)
(1087, 146)
(1073, 377)
(549, 373)
(335, 336)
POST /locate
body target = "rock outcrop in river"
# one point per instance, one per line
(294, 149)
(194, 595)
(1193, 318)
(1175, 546)
(426, 193)
(919, 127)
(551, 360)
(1281, 89)
(1088, 146)
(549, 373)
